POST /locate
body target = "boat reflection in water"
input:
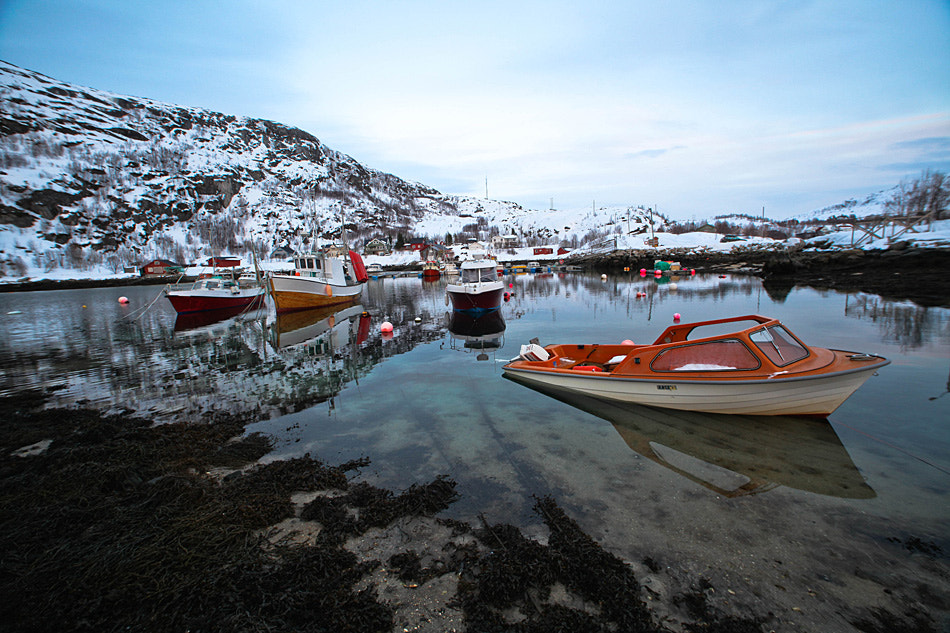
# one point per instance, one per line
(732, 455)
(482, 332)
(194, 320)
(334, 327)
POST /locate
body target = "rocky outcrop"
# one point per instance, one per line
(101, 171)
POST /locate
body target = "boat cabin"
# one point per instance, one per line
(325, 266)
(217, 283)
(478, 271)
(768, 347)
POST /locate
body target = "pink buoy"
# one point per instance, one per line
(386, 327)
(627, 341)
(123, 300)
(643, 272)
(676, 317)
(692, 271)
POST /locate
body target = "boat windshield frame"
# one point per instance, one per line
(786, 351)
(476, 275)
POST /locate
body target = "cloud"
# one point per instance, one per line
(653, 153)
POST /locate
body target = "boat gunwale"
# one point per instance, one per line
(667, 378)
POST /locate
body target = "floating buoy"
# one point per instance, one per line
(603, 277)
(511, 285)
(673, 286)
(507, 296)
(418, 319)
(626, 269)
(626, 341)
(643, 272)
(692, 271)
(676, 317)
(386, 327)
(123, 300)
(84, 306)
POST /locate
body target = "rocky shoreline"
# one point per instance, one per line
(921, 275)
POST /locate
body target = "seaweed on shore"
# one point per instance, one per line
(123, 525)
(118, 525)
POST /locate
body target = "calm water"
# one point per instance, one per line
(795, 496)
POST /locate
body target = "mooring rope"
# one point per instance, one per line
(895, 447)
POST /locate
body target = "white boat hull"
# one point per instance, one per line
(812, 396)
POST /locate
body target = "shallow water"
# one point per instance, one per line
(748, 499)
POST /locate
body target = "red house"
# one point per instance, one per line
(563, 251)
(543, 250)
(223, 262)
(160, 267)
(417, 244)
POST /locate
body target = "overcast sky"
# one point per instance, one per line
(699, 108)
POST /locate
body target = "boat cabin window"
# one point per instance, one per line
(308, 263)
(778, 345)
(723, 355)
(474, 275)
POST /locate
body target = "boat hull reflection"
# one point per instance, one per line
(477, 331)
(299, 327)
(732, 455)
(194, 320)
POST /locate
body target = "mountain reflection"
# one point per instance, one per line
(731, 455)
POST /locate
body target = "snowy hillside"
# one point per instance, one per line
(89, 178)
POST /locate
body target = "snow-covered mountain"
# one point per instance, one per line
(89, 177)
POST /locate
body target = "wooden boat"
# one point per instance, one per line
(478, 288)
(758, 367)
(216, 292)
(331, 276)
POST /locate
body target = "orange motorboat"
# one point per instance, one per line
(757, 367)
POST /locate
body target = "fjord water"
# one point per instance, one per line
(750, 500)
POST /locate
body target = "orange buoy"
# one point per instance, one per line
(328, 290)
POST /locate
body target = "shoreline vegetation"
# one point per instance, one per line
(112, 523)
(898, 273)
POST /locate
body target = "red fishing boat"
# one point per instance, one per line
(216, 292)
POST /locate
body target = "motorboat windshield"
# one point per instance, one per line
(481, 273)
